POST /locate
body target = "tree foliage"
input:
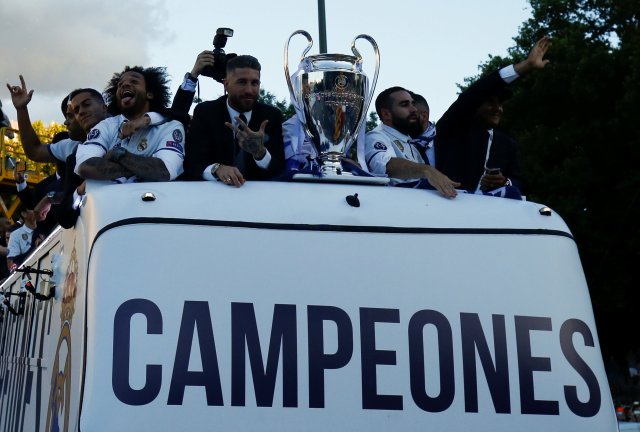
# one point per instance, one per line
(576, 122)
(269, 98)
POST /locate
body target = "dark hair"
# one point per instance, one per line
(64, 104)
(156, 81)
(93, 92)
(419, 100)
(243, 61)
(384, 98)
(60, 136)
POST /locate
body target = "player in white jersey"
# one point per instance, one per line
(93, 111)
(388, 149)
(139, 143)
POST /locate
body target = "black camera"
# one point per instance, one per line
(219, 69)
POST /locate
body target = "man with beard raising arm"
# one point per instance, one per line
(389, 149)
(236, 138)
(138, 143)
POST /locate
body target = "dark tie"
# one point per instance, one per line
(239, 159)
(422, 144)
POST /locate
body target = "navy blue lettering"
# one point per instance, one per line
(122, 352)
(372, 357)
(196, 315)
(497, 375)
(527, 364)
(591, 407)
(319, 361)
(244, 337)
(417, 365)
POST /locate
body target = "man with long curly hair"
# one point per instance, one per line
(139, 142)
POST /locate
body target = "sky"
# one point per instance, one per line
(427, 46)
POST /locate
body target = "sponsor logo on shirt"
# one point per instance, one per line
(177, 135)
(95, 133)
(175, 145)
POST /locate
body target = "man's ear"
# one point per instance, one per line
(385, 114)
(150, 96)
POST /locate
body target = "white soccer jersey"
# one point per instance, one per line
(62, 149)
(384, 143)
(20, 241)
(163, 140)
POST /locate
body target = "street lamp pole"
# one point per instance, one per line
(322, 24)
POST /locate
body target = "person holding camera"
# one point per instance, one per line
(236, 138)
(212, 64)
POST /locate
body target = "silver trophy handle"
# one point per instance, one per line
(372, 88)
(286, 60)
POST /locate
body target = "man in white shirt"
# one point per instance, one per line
(21, 240)
(389, 149)
(93, 110)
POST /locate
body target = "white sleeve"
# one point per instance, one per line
(508, 74)
(206, 174)
(171, 148)
(13, 246)
(62, 149)
(96, 145)
(265, 161)
(377, 153)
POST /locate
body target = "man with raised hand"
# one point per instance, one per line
(93, 112)
(473, 150)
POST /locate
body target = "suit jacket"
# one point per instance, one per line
(210, 141)
(461, 141)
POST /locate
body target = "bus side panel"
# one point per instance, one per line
(41, 349)
(245, 329)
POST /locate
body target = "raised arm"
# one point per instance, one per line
(33, 148)
(535, 60)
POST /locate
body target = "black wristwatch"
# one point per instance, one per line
(190, 77)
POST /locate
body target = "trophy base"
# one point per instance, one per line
(341, 178)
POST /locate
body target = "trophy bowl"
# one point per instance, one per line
(334, 95)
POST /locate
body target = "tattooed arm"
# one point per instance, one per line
(145, 167)
(97, 168)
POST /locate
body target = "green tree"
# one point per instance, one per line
(576, 122)
(372, 121)
(269, 98)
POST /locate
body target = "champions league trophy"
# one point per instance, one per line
(332, 96)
